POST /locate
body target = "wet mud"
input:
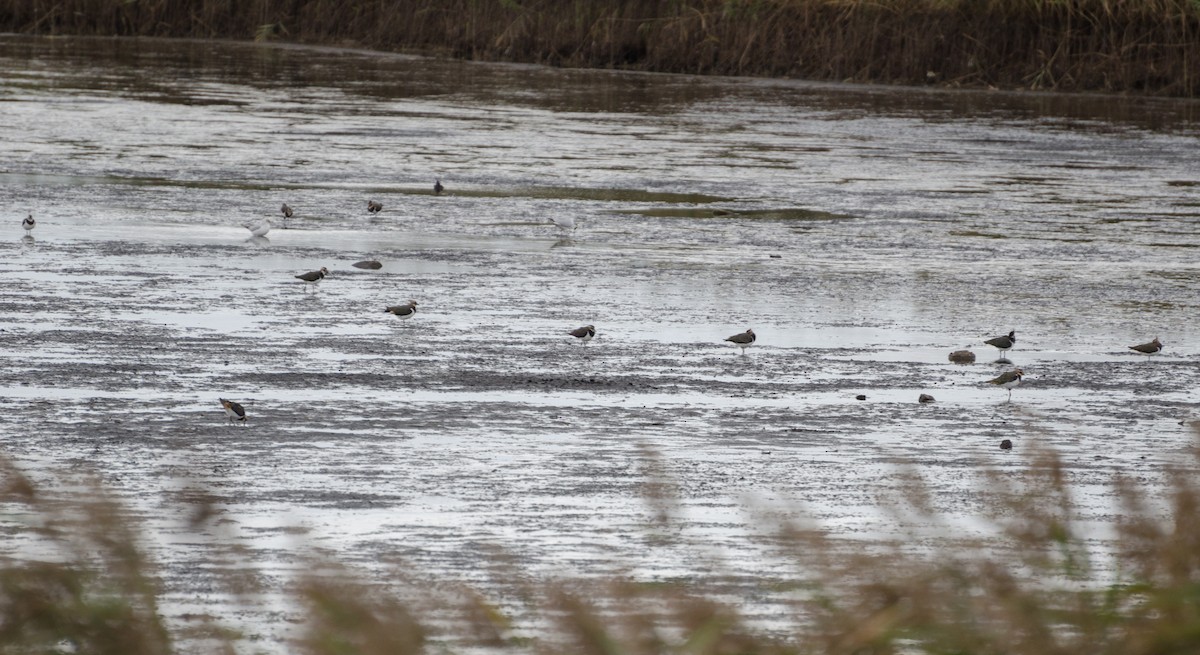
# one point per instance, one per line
(866, 244)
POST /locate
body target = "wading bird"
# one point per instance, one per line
(403, 312)
(234, 411)
(1151, 347)
(1009, 380)
(743, 340)
(1004, 343)
(584, 334)
(258, 228)
(313, 278)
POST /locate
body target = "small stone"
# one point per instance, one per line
(962, 357)
(369, 264)
(861, 396)
(925, 398)
(1006, 444)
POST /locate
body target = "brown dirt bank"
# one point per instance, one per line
(1147, 46)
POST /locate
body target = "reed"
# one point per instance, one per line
(1134, 46)
(75, 579)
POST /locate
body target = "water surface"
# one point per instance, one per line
(863, 233)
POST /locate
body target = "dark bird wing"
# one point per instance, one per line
(1005, 378)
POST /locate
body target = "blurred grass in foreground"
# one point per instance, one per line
(72, 579)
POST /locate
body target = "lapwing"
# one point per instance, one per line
(313, 278)
(438, 188)
(1151, 347)
(258, 228)
(234, 411)
(28, 223)
(743, 340)
(1009, 380)
(1004, 343)
(403, 312)
(374, 207)
(584, 334)
(564, 223)
(368, 264)
(287, 211)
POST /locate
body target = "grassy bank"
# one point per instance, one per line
(72, 579)
(1135, 46)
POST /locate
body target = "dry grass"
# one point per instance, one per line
(74, 575)
(1137, 46)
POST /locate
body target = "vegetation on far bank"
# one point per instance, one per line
(1127, 46)
(73, 579)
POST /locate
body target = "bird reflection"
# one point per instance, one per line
(261, 242)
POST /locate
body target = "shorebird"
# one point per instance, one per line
(743, 340)
(313, 278)
(369, 264)
(1009, 380)
(258, 228)
(28, 223)
(374, 207)
(1151, 347)
(234, 411)
(403, 312)
(438, 188)
(584, 334)
(1004, 343)
(287, 211)
(564, 223)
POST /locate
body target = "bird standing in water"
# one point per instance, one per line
(234, 411)
(28, 223)
(1004, 343)
(743, 340)
(584, 334)
(1148, 348)
(1008, 380)
(403, 312)
(313, 278)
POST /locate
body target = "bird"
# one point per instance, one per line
(28, 223)
(743, 340)
(1003, 342)
(234, 411)
(438, 188)
(313, 277)
(1009, 380)
(584, 334)
(369, 264)
(1151, 347)
(564, 223)
(258, 228)
(374, 207)
(403, 312)
(287, 211)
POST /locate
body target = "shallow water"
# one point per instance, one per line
(863, 233)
